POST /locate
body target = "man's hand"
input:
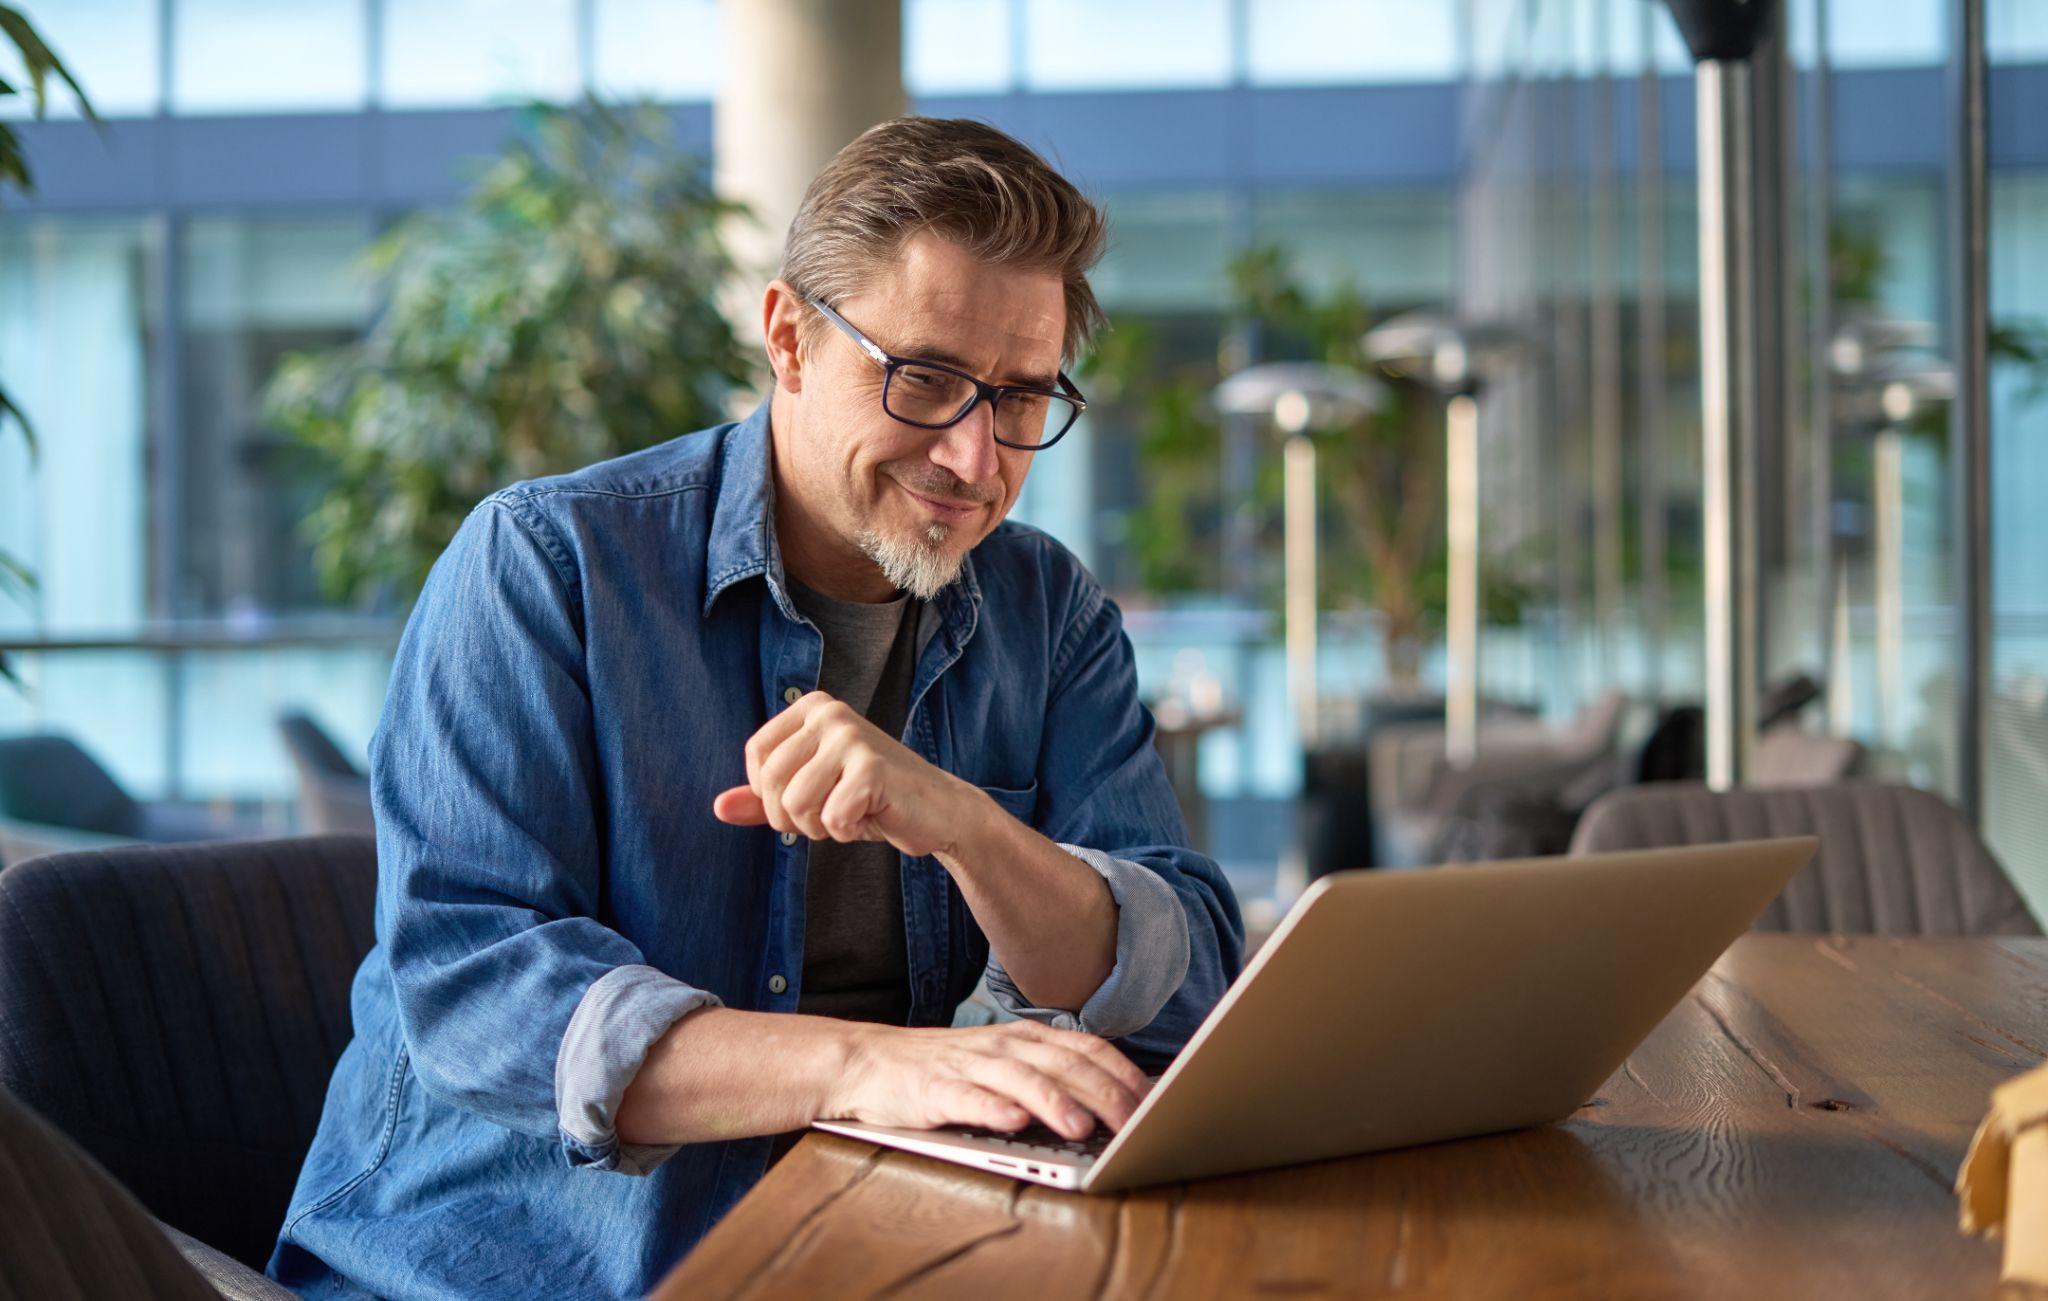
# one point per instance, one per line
(820, 769)
(997, 1076)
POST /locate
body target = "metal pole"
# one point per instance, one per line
(1461, 594)
(1887, 527)
(1970, 429)
(1651, 388)
(1728, 435)
(1605, 348)
(1298, 505)
(1833, 610)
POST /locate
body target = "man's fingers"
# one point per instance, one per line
(1104, 1094)
(770, 776)
(1096, 1049)
(846, 811)
(804, 795)
(740, 807)
(1036, 1091)
(965, 1103)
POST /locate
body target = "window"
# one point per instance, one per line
(256, 289)
(658, 49)
(1132, 45)
(455, 53)
(257, 56)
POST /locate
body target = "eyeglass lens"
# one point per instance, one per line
(923, 395)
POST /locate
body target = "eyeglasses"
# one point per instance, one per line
(935, 396)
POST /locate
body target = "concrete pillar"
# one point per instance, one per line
(803, 78)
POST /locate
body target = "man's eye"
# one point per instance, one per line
(926, 378)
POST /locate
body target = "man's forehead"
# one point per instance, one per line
(942, 298)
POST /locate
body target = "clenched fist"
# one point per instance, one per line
(820, 769)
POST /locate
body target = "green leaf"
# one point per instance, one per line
(41, 61)
(565, 313)
(8, 407)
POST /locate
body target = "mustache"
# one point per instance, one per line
(936, 481)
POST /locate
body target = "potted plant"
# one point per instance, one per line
(566, 313)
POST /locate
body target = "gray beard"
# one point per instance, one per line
(920, 566)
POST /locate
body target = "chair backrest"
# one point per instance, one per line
(1789, 755)
(52, 780)
(334, 796)
(1893, 860)
(178, 1009)
(311, 749)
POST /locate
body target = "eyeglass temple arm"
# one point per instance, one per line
(866, 345)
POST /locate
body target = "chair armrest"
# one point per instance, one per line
(233, 1280)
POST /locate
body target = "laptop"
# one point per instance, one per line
(1396, 1008)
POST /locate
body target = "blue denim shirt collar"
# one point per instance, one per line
(743, 543)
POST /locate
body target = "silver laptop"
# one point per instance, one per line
(1394, 1008)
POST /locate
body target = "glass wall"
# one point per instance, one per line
(2016, 726)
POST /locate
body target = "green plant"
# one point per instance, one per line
(566, 314)
(40, 63)
(1379, 478)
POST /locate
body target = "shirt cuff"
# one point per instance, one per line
(621, 1015)
(1151, 955)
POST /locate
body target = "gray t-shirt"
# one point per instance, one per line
(855, 963)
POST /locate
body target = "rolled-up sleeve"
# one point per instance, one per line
(1105, 798)
(618, 1020)
(516, 1003)
(1151, 956)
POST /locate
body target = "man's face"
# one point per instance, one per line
(864, 496)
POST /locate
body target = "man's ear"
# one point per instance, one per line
(782, 314)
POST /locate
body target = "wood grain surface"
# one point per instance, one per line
(1791, 1129)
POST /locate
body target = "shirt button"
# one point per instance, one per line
(776, 984)
(789, 837)
(790, 695)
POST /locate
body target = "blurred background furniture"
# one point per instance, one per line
(177, 1010)
(55, 797)
(334, 795)
(1892, 861)
(1416, 789)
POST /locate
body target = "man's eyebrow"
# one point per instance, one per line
(945, 356)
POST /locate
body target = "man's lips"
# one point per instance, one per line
(945, 510)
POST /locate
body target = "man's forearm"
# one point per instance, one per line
(720, 1073)
(1049, 917)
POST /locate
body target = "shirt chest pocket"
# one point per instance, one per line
(1019, 802)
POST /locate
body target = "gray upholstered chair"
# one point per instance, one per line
(177, 1011)
(1892, 861)
(1416, 790)
(56, 797)
(334, 795)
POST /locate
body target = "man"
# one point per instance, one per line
(713, 778)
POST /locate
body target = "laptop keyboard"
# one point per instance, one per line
(1039, 1137)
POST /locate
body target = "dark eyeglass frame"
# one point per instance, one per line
(993, 394)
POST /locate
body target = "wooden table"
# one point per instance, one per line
(1792, 1129)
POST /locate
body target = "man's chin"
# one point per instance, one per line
(921, 560)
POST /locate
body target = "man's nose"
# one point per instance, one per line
(968, 449)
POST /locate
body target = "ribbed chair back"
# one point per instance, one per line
(177, 1010)
(1892, 861)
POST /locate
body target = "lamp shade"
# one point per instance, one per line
(1446, 354)
(1299, 395)
(1723, 29)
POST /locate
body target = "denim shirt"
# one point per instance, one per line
(578, 680)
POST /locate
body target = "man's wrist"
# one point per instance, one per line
(853, 1048)
(972, 818)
